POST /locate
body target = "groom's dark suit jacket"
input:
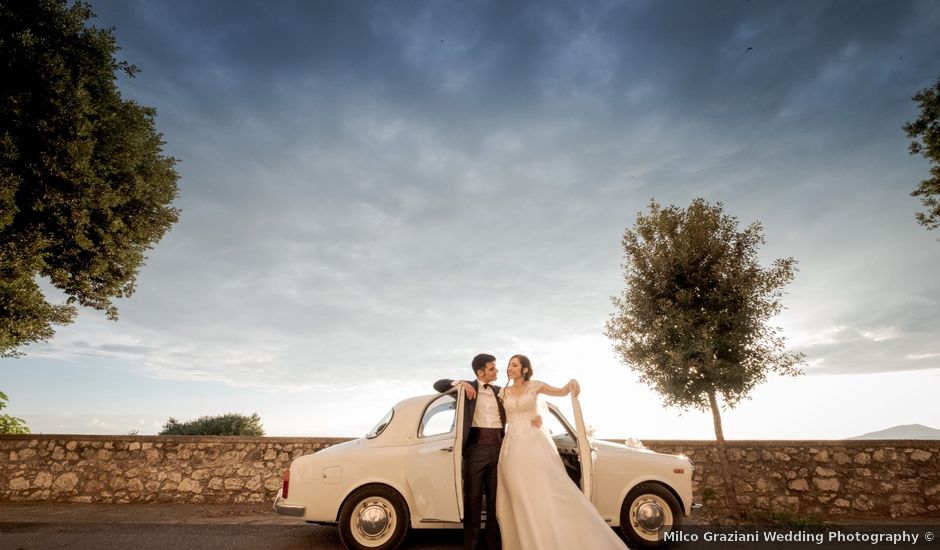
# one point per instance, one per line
(470, 405)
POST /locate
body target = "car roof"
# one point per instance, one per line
(407, 415)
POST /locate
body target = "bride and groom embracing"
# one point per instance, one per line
(512, 462)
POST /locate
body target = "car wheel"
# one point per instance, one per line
(649, 511)
(374, 517)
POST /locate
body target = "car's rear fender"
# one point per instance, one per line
(397, 487)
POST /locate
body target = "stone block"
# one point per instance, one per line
(43, 480)
(825, 472)
(862, 458)
(841, 458)
(920, 456)
(19, 484)
(830, 484)
(94, 486)
(254, 483)
(65, 483)
(799, 485)
(863, 504)
(908, 486)
(232, 484)
(190, 486)
(822, 456)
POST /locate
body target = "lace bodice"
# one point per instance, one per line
(523, 407)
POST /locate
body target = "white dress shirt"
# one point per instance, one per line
(486, 413)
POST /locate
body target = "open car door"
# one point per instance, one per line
(458, 452)
(584, 450)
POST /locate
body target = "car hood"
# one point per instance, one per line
(609, 447)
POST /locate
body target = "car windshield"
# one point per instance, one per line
(380, 427)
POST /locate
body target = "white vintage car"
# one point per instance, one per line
(405, 473)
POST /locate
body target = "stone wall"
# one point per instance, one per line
(819, 479)
(824, 479)
(124, 469)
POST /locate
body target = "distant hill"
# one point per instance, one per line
(908, 431)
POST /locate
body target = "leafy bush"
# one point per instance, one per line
(11, 424)
(226, 424)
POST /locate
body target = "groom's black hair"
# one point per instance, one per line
(479, 362)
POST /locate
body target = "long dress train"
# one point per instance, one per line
(537, 504)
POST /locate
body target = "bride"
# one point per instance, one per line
(537, 504)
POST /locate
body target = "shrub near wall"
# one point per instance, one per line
(826, 479)
(115, 469)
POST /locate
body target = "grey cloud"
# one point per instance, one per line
(358, 195)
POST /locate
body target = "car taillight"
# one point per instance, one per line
(286, 485)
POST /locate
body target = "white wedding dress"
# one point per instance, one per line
(537, 504)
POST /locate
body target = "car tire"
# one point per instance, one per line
(649, 511)
(374, 517)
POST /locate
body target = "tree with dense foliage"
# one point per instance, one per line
(693, 318)
(926, 134)
(226, 424)
(85, 188)
(10, 424)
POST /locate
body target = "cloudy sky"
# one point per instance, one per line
(373, 192)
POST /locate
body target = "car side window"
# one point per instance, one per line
(380, 427)
(440, 417)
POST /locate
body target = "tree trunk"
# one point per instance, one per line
(731, 495)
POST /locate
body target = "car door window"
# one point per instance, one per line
(440, 417)
(564, 438)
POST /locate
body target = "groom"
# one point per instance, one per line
(483, 421)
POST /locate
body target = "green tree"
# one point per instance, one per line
(85, 188)
(10, 424)
(226, 424)
(693, 317)
(926, 134)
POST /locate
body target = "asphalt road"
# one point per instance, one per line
(46, 525)
(98, 536)
(43, 525)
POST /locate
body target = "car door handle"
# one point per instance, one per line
(447, 450)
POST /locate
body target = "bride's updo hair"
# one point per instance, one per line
(526, 366)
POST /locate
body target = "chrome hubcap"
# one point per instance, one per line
(650, 516)
(373, 521)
